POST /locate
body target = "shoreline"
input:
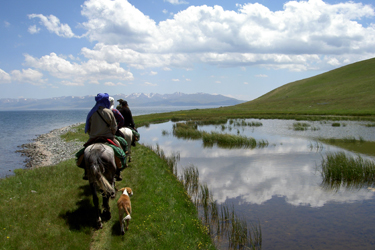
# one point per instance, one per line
(49, 149)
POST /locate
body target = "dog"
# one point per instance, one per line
(124, 207)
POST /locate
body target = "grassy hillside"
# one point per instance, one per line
(348, 90)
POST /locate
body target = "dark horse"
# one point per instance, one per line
(101, 169)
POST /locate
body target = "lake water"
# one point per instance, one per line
(20, 127)
(280, 185)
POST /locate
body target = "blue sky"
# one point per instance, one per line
(241, 49)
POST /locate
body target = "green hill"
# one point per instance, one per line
(349, 90)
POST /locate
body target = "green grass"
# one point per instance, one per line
(189, 130)
(341, 169)
(51, 208)
(46, 208)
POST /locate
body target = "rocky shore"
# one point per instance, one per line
(49, 149)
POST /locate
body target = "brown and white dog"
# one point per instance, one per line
(124, 207)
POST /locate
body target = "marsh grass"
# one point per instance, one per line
(189, 130)
(300, 126)
(243, 123)
(231, 141)
(225, 227)
(339, 169)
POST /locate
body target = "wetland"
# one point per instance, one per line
(279, 183)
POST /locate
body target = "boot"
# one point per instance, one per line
(118, 176)
(84, 177)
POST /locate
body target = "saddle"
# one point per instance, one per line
(120, 158)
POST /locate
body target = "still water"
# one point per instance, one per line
(20, 127)
(280, 185)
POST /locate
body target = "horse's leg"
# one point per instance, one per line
(106, 208)
(96, 204)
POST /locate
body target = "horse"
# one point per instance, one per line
(101, 169)
(129, 138)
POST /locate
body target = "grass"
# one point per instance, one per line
(51, 208)
(339, 169)
(189, 130)
(222, 223)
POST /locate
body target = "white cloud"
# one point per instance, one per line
(261, 75)
(33, 29)
(52, 24)
(91, 71)
(305, 35)
(176, 1)
(27, 75)
(6, 24)
(153, 73)
(165, 11)
(246, 83)
(4, 77)
(175, 80)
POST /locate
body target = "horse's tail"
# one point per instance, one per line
(95, 174)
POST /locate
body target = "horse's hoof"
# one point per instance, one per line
(99, 225)
(107, 214)
(122, 232)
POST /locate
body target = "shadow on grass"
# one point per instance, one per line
(116, 229)
(83, 216)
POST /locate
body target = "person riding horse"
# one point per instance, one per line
(128, 117)
(101, 124)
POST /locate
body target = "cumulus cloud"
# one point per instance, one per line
(28, 75)
(91, 71)
(304, 35)
(53, 25)
(22, 76)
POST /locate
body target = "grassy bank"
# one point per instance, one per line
(51, 208)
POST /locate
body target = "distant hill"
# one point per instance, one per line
(134, 100)
(349, 90)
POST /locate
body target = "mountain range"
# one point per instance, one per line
(134, 100)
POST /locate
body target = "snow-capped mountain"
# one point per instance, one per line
(134, 100)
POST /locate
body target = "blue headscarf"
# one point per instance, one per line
(101, 100)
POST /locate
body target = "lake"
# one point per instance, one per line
(21, 127)
(280, 185)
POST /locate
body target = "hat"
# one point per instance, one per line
(124, 103)
(120, 100)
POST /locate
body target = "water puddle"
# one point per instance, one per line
(280, 185)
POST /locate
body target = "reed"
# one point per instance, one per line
(300, 126)
(231, 141)
(189, 130)
(223, 225)
(339, 169)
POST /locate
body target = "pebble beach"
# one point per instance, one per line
(49, 149)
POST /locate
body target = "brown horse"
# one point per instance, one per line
(101, 169)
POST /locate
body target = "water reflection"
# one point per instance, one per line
(280, 184)
(287, 168)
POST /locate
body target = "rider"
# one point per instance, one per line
(101, 123)
(128, 117)
(118, 116)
